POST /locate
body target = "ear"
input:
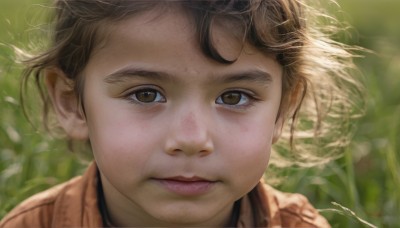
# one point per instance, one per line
(65, 104)
(277, 129)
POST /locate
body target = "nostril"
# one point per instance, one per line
(204, 152)
(173, 152)
(176, 146)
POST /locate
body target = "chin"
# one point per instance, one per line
(184, 218)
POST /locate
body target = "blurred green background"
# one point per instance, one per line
(365, 180)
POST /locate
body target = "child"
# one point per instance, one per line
(181, 102)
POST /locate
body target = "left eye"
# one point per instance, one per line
(233, 98)
(147, 96)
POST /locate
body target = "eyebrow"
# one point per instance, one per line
(257, 76)
(131, 72)
(124, 74)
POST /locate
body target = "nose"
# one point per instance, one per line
(189, 134)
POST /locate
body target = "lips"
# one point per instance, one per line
(186, 179)
(186, 186)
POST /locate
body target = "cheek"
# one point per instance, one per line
(251, 149)
(248, 150)
(119, 142)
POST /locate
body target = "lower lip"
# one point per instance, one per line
(187, 188)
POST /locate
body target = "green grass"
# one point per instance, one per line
(30, 160)
(366, 180)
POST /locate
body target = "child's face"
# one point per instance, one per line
(178, 137)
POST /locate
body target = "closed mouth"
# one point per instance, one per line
(186, 186)
(186, 179)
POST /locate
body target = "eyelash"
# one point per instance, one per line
(133, 96)
(248, 102)
(245, 98)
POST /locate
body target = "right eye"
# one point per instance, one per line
(147, 96)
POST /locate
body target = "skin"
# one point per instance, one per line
(192, 127)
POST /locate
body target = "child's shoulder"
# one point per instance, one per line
(55, 205)
(37, 210)
(291, 209)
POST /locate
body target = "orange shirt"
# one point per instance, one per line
(75, 204)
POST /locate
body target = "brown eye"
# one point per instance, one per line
(235, 99)
(231, 98)
(147, 96)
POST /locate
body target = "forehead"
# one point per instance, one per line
(162, 18)
(167, 36)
